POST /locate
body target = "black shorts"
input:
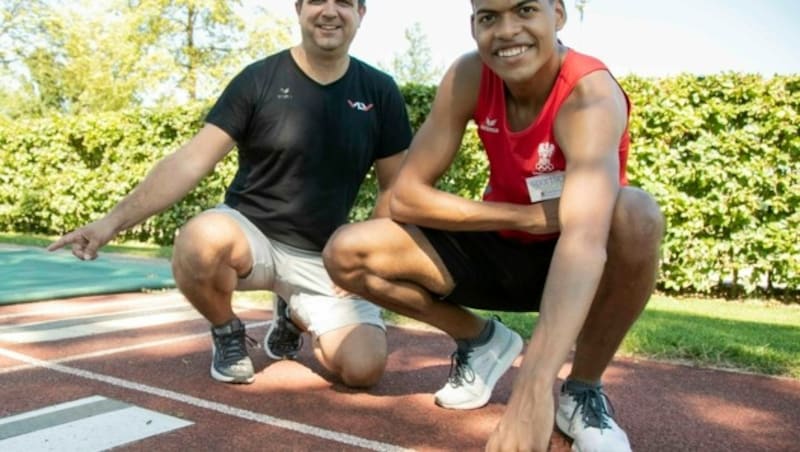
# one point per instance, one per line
(491, 272)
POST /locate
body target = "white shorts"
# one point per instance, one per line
(299, 277)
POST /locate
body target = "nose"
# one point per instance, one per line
(329, 9)
(507, 28)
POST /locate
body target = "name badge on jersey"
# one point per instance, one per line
(543, 187)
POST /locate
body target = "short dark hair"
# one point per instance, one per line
(360, 2)
(473, 2)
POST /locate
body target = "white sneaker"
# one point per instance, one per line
(585, 415)
(475, 370)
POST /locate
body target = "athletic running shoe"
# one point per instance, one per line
(230, 362)
(474, 370)
(284, 339)
(585, 414)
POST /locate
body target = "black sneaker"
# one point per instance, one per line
(284, 339)
(230, 362)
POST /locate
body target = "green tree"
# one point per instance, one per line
(196, 45)
(415, 64)
(15, 27)
(580, 5)
(78, 56)
(57, 59)
(197, 38)
(18, 34)
(265, 32)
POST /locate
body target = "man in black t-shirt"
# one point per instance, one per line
(309, 123)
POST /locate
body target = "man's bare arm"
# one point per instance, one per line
(168, 181)
(415, 199)
(588, 128)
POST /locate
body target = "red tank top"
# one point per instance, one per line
(516, 156)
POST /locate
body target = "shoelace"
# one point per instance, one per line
(233, 347)
(595, 404)
(460, 370)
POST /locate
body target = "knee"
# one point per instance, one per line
(638, 220)
(362, 371)
(198, 249)
(344, 256)
(356, 354)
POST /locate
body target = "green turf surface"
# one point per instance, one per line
(32, 274)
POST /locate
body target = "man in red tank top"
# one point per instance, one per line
(558, 231)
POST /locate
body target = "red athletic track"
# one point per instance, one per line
(663, 407)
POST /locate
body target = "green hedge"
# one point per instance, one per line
(720, 153)
(58, 173)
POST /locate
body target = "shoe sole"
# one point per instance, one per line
(268, 350)
(227, 378)
(514, 349)
(562, 423)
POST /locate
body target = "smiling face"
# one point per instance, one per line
(517, 38)
(329, 26)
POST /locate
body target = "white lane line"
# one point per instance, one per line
(51, 409)
(93, 328)
(75, 327)
(330, 435)
(113, 351)
(69, 317)
(67, 307)
(96, 433)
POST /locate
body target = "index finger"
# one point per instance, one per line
(60, 243)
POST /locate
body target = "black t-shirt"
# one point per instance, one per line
(305, 148)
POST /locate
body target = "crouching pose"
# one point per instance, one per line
(308, 123)
(558, 231)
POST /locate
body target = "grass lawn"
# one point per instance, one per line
(754, 336)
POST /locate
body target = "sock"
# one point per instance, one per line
(228, 327)
(486, 334)
(575, 385)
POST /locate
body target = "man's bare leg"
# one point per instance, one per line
(628, 282)
(355, 353)
(210, 253)
(397, 268)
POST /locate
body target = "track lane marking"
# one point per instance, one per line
(91, 424)
(217, 407)
(60, 307)
(71, 327)
(113, 351)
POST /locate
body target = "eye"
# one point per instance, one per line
(486, 19)
(526, 10)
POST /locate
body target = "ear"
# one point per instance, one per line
(472, 25)
(362, 11)
(561, 14)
